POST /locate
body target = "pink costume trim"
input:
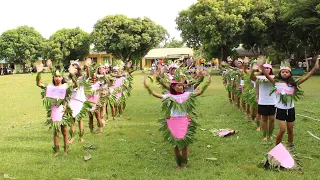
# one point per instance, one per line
(283, 88)
(181, 97)
(281, 154)
(76, 106)
(267, 66)
(178, 126)
(56, 113)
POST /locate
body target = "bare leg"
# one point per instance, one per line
(247, 109)
(265, 127)
(64, 131)
(258, 122)
(185, 154)
(177, 156)
(72, 132)
(91, 122)
(113, 108)
(100, 124)
(81, 130)
(271, 126)
(56, 143)
(229, 96)
(290, 126)
(121, 110)
(282, 130)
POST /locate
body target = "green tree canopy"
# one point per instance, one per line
(68, 44)
(21, 45)
(127, 38)
(173, 43)
(217, 24)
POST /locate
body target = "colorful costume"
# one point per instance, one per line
(178, 126)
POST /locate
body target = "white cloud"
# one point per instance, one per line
(47, 16)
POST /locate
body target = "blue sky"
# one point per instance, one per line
(47, 16)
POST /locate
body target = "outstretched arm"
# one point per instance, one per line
(151, 91)
(313, 71)
(38, 80)
(204, 87)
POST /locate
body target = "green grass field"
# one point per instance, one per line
(135, 148)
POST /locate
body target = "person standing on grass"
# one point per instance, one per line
(78, 103)
(94, 97)
(266, 101)
(56, 97)
(287, 89)
(179, 125)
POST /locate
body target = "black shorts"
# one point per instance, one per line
(288, 115)
(266, 110)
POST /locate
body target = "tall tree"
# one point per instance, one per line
(127, 38)
(217, 24)
(22, 45)
(173, 43)
(259, 16)
(68, 44)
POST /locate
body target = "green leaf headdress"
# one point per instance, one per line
(118, 64)
(58, 70)
(285, 65)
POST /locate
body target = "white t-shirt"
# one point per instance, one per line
(264, 94)
(280, 104)
(174, 113)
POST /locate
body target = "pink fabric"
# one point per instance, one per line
(75, 106)
(281, 154)
(95, 86)
(178, 126)
(56, 92)
(283, 88)
(226, 133)
(93, 98)
(267, 66)
(181, 97)
(56, 113)
(118, 82)
(119, 95)
(264, 77)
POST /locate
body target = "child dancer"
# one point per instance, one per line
(56, 97)
(178, 126)
(94, 98)
(266, 101)
(287, 90)
(78, 103)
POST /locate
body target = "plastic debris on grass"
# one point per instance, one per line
(223, 132)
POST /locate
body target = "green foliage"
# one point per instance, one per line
(24, 137)
(125, 37)
(173, 43)
(215, 24)
(21, 45)
(68, 44)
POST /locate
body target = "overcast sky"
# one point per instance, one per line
(47, 16)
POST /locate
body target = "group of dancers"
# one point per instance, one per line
(69, 98)
(254, 88)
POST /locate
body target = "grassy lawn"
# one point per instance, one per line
(135, 148)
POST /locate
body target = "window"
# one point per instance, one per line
(94, 60)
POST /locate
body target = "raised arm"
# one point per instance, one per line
(204, 87)
(38, 78)
(267, 75)
(313, 71)
(151, 91)
(252, 75)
